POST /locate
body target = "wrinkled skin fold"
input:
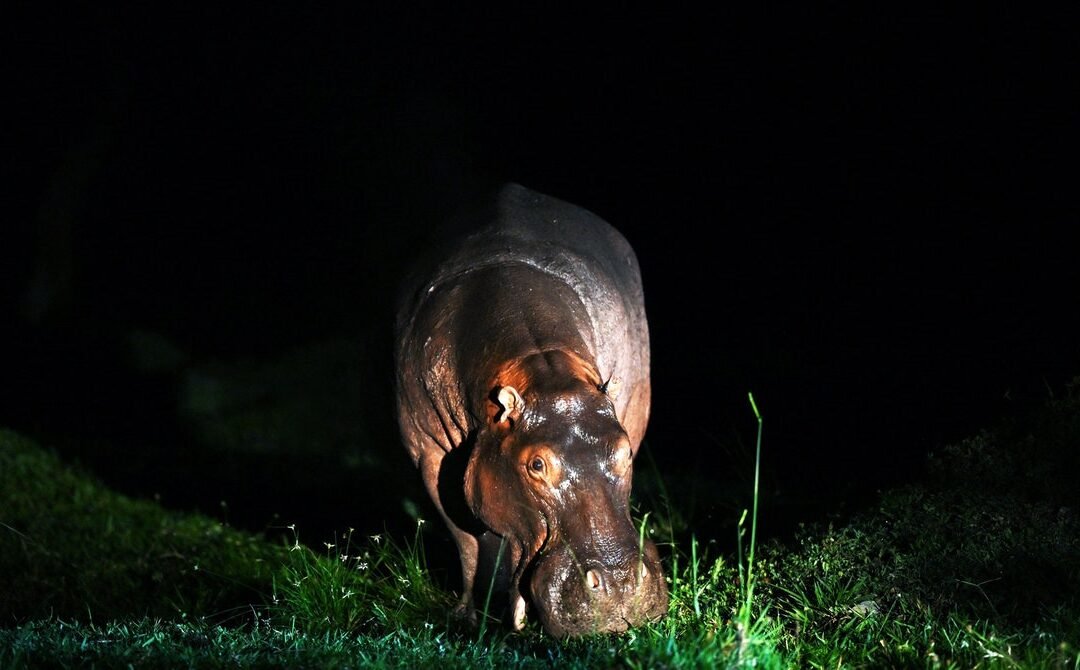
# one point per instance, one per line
(522, 371)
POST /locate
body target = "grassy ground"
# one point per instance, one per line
(977, 566)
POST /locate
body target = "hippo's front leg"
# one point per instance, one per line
(467, 545)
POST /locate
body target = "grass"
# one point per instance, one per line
(975, 567)
(69, 547)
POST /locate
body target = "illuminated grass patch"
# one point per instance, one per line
(951, 572)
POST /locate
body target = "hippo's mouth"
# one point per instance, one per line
(572, 596)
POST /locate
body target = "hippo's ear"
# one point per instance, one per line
(611, 387)
(509, 403)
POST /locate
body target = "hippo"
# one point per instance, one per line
(523, 394)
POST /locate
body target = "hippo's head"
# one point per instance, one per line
(550, 473)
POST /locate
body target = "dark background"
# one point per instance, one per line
(865, 219)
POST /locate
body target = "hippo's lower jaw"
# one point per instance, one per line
(573, 599)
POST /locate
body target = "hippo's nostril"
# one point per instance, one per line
(592, 580)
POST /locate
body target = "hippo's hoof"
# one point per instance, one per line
(464, 613)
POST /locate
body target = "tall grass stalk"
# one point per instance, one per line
(641, 546)
(694, 576)
(491, 589)
(746, 611)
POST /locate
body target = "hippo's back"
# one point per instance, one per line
(522, 227)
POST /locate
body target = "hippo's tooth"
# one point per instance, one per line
(519, 613)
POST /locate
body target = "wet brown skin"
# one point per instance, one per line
(523, 395)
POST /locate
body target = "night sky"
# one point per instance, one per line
(864, 219)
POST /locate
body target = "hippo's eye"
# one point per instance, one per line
(542, 466)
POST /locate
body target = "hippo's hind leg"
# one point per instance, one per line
(431, 466)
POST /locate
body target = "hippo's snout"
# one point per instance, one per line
(577, 597)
